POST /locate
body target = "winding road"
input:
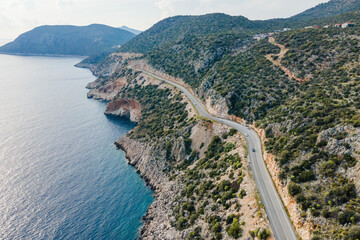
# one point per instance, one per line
(279, 220)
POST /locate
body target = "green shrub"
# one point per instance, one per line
(181, 223)
(327, 168)
(216, 227)
(242, 193)
(230, 219)
(294, 189)
(264, 234)
(305, 176)
(232, 132)
(351, 161)
(234, 230)
(348, 216)
(354, 233)
(252, 234)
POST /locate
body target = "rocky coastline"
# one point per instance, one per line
(156, 220)
(128, 108)
(138, 154)
(150, 159)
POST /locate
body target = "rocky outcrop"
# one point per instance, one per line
(129, 108)
(341, 140)
(112, 63)
(216, 105)
(106, 89)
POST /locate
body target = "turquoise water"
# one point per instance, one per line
(60, 174)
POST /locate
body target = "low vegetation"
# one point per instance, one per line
(211, 185)
(295, 117)
(311, 128)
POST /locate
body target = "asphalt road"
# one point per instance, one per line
(279, 220)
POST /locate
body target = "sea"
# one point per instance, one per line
(61, 176)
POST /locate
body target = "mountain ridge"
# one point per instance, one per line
(330, 8)
(68, 40)
(132, 30)
(173, 29)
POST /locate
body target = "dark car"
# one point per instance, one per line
(253, 149)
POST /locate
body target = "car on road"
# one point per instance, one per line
(253, 149)
(246, 135)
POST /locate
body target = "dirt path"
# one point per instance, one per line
(280, 57)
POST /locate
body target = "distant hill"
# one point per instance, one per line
(329, 9)
(68, 40)
(173, 29)
(134, 31)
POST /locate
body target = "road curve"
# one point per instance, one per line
(279, 220)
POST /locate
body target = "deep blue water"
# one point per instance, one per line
(60, 174)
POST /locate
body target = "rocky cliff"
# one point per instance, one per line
(128, 108)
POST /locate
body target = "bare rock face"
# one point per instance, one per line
(129, 108)
(216, 104)
(344, 139)
(341, 140)
(106, 89)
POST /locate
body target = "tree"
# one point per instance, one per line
(234, 230)
(264, 234)
(327, 168)
(294, 189)
(216, 228)
(348, 216)
(181, 223)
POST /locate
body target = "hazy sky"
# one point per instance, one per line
(18, 16)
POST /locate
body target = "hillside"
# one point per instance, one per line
(192, 56)
(68, 40)
(328, 9)
(310, 128)
(315, 132)
(202, 187)
(172, 29)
